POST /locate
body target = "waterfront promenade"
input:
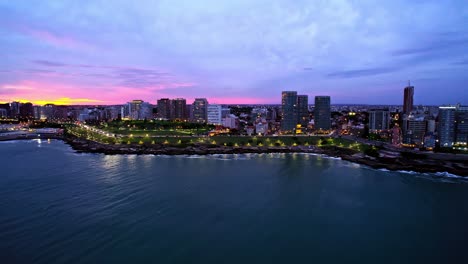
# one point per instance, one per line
(41, 133)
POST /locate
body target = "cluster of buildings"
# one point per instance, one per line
(17, 110)
(199, 111)
(28, 111)
(402, 125)
(422, 127)
(295, 115)
(292, 116)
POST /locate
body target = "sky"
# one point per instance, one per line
(243, 51)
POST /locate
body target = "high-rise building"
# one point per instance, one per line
(461, 133)
(179, 109)
(137, 110)
(3, 113)
(303, 110)
(214, 114)
(200, 109)
(379, 120)
(113, 112)
(322, 113)
(4, 110)
(37, 112)
(414, 129)
(164, 108)
(15, 109)
(446, 129)
(48, 111)
(408, 99)
(26, 110)
(52, 112)
(289, 110)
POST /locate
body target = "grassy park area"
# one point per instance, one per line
(176, 137)
(141, 128)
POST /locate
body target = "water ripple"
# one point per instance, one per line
(93, 208)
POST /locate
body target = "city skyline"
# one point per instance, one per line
(233, 53)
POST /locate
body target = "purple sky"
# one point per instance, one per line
(239, 51)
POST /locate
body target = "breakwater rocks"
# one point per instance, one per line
(422, 163)
(81, 145)
(426, 165)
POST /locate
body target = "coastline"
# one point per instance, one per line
(426, 165)
(421, 165)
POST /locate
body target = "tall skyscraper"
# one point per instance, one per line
(446, 129)
(200, 109)
(303, 110)
(289, 110)
(379, 120)
(453, 126)
(408, 99)
(14, 109)
(179, 109)
(214, 114)
(322, 113)
(164, 108)
(461, 134)
(26, 110)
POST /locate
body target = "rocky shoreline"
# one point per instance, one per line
(399, 163)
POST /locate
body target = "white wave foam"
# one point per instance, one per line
(314, 154)
(449, 175)
(437, 176)
(349, 164)
(193, 156)
(10, 141)
(407, 172)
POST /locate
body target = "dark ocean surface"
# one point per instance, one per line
(57, 206)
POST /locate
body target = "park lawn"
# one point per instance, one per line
(159, 132)
(184, 140)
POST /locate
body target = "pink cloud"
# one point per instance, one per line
(41, 92)
(38, 91)
(53, 39)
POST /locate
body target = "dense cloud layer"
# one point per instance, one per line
(249, 51)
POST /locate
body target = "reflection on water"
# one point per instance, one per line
(110, 162)
(147, 160)
(38, 141)
(241, 208)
